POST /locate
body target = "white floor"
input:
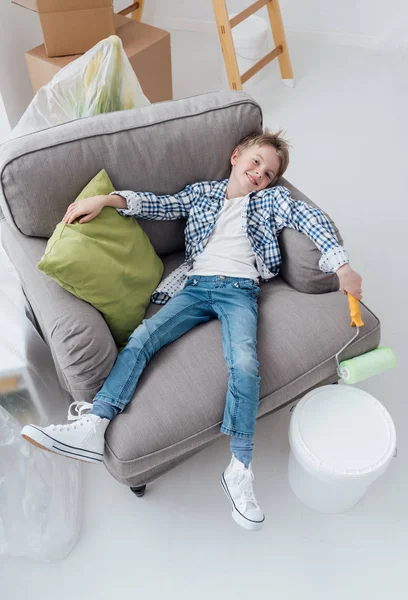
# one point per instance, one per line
(346, 119)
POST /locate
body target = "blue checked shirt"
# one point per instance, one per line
(264, 214)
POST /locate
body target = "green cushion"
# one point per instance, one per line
(108, 262)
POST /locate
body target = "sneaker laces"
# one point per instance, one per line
(80, 406)
(245, 490)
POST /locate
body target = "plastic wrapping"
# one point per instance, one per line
(101, 80)
(40, 498)
(38, 395)
(40, 492)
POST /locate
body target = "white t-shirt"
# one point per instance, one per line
(228, 251)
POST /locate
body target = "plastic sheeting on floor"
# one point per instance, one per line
(40, 492)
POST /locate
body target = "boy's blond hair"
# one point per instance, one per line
(268, 139)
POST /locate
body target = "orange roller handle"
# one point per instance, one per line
(355, 312)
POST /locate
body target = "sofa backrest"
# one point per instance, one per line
(160, 148)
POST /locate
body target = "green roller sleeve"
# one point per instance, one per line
(369, 364)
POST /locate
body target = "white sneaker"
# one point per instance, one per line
(236, 481)
(82, 440)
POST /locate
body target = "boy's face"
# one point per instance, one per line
(255, 168)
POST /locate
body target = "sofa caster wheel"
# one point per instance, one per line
(139, 491)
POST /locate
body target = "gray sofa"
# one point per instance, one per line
(178, 405)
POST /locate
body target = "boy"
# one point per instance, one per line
(231, 244)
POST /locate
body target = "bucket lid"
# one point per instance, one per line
(342, 431)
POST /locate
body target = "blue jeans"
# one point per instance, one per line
(233, 300)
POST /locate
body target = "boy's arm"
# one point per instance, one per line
(137, 204)
(313, 223)
(148, 206)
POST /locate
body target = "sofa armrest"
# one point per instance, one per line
(81, 344)
(300, 256)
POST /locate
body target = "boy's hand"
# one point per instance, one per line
(90, 207)
(350, 281)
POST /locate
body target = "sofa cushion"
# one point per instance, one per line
(178, 407)
(108, 262)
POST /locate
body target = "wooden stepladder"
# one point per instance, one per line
(136, 9)
(225, 25)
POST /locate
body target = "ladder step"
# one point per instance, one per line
(248, 12)
(261, 63)
(225, 24)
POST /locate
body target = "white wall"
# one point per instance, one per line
(20, 30)
(366, 17)
(4, 122)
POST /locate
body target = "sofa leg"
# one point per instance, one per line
(139, 491)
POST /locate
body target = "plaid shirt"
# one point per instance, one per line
(264, 215)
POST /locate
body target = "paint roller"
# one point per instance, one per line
(366, 365)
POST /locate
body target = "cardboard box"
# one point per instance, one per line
(72, 26)
(147, 48)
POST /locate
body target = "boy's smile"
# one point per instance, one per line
(252, 170)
